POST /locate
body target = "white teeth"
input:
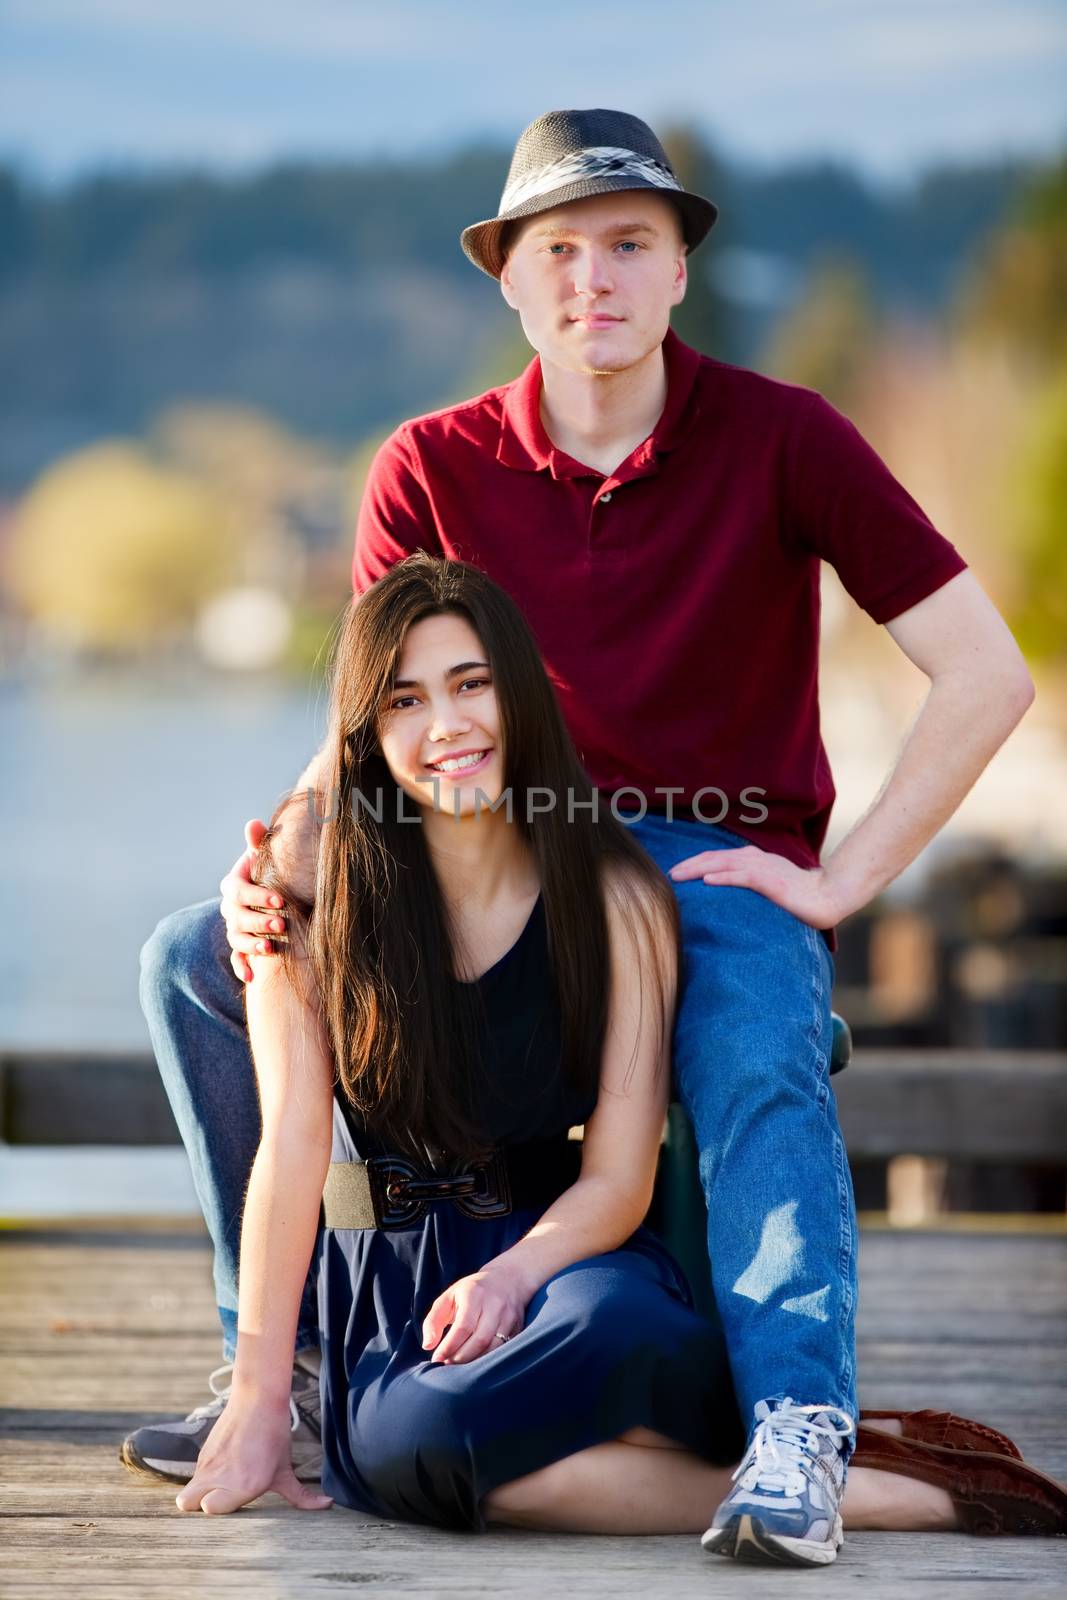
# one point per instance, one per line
(460, 763)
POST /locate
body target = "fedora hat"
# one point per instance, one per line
(570, 155)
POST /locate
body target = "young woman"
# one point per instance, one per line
(477, 962)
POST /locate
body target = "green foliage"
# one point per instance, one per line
(1040, 618)
(702, 319)
(336, 299)
(338, 214)
(1017, 292)
(509, 355)
(312, 639)
(113, 552)
(825, 341)
(335, 296)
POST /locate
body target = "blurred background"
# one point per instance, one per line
(229, 266)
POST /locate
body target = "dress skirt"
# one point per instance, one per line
(609, 1343)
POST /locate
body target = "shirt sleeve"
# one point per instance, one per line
(848, 508)
(395, 515)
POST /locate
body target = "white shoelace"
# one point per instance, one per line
(222, 1393)
(770, 1462)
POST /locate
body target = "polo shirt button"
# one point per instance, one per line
(604, 498)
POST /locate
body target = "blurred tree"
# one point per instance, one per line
(1040, 619)
(239, 449)
(357, 467)
(311, 643)
(1017, 290)
(16, 226)
(348, 215)
(113, 552)
(506, 357)
(702, 319)
(336, 297)
(825, 341)
(282, 493)
(1016, 298)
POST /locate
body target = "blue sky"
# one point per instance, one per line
(891, 85)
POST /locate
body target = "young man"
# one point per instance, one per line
(661, 517)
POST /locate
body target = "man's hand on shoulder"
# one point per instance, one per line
(248, 927)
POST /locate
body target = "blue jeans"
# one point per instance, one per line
(751, 1055)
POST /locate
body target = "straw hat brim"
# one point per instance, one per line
(481, 241)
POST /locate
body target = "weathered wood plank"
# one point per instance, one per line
(83, 1097)
(978, 1105)
(263, 1554)
(972, 1105)
(94, 1338)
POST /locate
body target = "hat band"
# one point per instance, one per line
(598, 161)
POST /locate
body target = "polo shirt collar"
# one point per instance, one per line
(525, 445)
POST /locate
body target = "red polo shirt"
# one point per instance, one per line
(676, 602)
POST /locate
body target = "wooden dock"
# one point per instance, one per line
(102, 1329)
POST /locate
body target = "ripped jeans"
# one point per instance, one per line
(751, 1066)
(751, 1059)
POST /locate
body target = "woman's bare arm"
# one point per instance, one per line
(294, 1071)
(248, 1451)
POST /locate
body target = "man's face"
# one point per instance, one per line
(594, 281)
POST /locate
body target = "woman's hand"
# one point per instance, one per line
(478, 1307)
(246, 1454)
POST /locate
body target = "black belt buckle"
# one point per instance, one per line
(492, 1195)
(401, 1191)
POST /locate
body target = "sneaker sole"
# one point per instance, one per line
(307, 1464)
(748, 1539)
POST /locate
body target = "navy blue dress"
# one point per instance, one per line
(608, 1343)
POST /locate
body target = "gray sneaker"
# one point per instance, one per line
(170, 1449)
(785, 1507)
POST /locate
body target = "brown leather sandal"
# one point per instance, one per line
(946, 1429)
(991, 1493)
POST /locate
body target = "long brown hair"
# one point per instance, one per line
(404, 1033)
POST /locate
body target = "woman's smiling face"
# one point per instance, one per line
(442, 706)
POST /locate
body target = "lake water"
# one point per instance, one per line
(124, 798)
(121, 800)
